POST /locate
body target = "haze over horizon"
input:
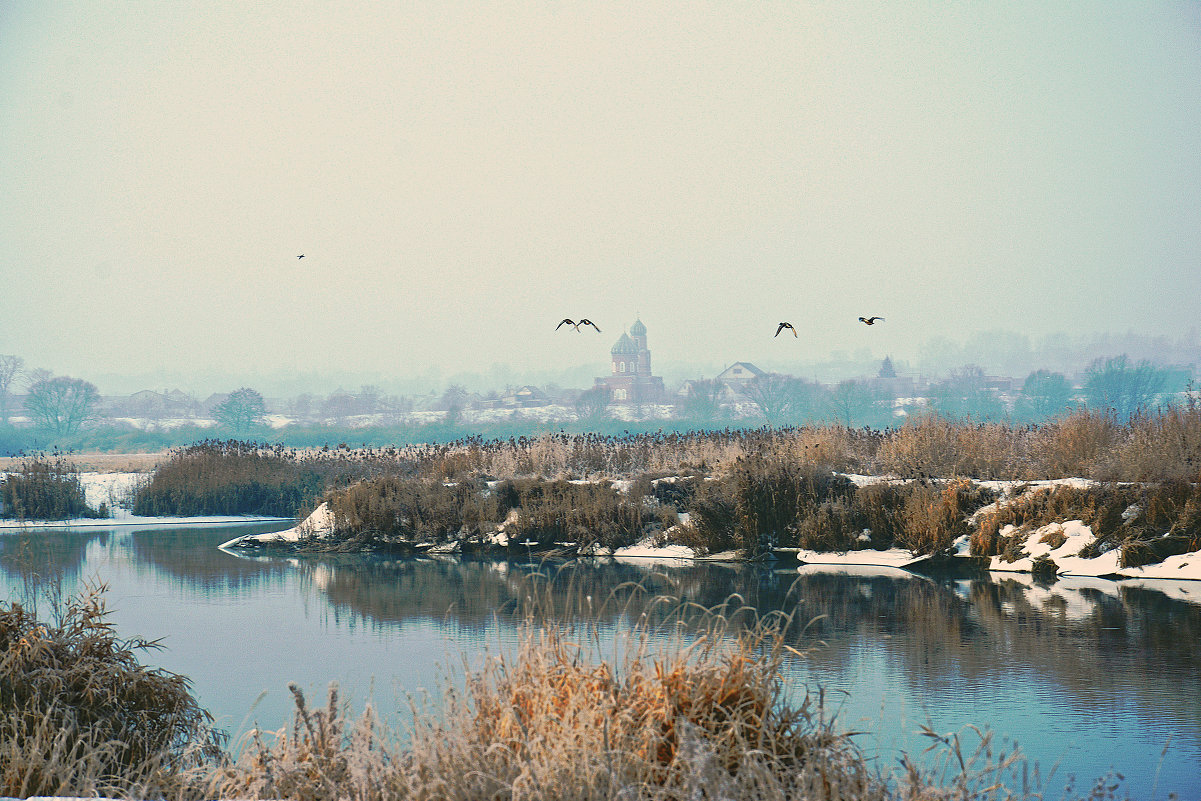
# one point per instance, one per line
(460, 178)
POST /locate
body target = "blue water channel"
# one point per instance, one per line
(1088, 677)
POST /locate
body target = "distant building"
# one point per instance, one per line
(631, 380)
(889, 384)
(738, 375)
(524, 397)
(148, 403)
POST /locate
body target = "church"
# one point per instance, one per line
(630, 380)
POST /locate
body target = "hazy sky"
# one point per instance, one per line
(460, 176)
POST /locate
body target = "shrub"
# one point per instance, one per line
(707, 717)
(934, 517)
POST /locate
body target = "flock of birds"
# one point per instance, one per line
(864, 320)
(577, 324)
(585, 321)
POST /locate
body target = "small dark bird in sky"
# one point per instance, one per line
(586, 321)
(782, 326)
(301, 256)
(567, 322)
(869, 320)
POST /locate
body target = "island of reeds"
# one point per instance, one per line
(923, 487)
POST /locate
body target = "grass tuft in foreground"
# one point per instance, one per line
(80, 716)
(687, 704)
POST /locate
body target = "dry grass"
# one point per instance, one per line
(80, 716)
(663, 717)
(1147, 522)
(683, 703)
(692, 706)
(45, 488)
(101, 462)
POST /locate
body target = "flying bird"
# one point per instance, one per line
(586, 321)
(869, 320)
(571, 323)
(301, 256)
(782, 326)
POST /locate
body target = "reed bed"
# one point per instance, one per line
(232, 477)
(45, 488)
(1145, 522)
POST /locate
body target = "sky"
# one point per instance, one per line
(461, 176)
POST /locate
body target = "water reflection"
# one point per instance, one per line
(1088, 672)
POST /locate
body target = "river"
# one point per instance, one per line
(1087, 676)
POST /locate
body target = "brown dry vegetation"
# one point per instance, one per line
(102, 462)
(79, 715)
(691, 705)
(702, 715)
(44, 488)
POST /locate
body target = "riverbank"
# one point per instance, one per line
(1064, 547)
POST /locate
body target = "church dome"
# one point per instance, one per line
(638, 329)
(625, 345)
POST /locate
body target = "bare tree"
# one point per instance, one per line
(10, 368)
(592, 406)
(242, 410)
(1045, 395)
(62, 404)
(37, 375)
(853, 402)
(1114, 383)
(783, 399)
(965, 394)
(703, 403)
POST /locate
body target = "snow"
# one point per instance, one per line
(647, 553)
(1077, 536)
(1182, 566)
(893, 557)
(859, 570)
(319, 525)
(1067, 559)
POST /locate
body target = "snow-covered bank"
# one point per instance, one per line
(1068, 548)
(318, 525)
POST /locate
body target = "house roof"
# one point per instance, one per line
(743, 371)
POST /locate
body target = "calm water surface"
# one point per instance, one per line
(1085, 675)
